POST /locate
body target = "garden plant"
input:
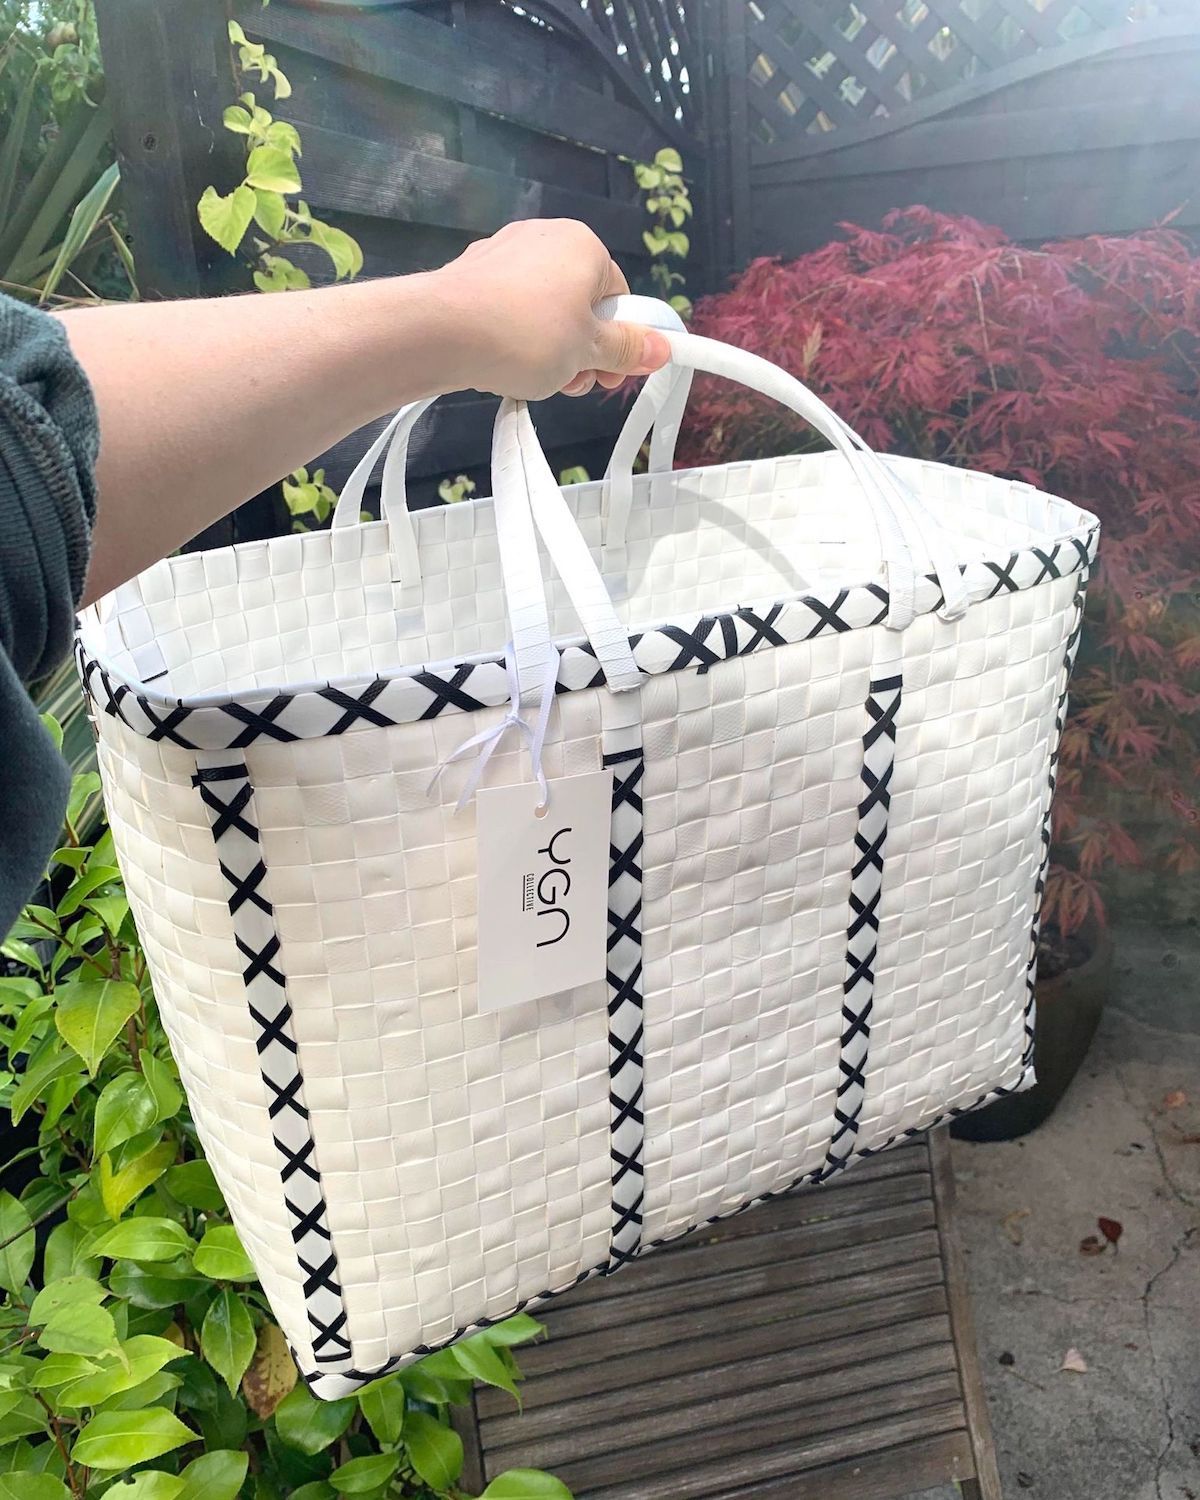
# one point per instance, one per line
(1074, 367)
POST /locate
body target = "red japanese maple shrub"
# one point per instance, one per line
(1074, 367)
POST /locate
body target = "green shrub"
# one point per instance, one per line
(138, 1355)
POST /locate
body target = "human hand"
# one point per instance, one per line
(520, 312)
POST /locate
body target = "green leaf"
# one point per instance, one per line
(382, 1403)
(198, 1387)
(65, 1293)
(31, 1018)
(157, 1287)
(21, 1420)
(227, 1425)
(125, 1108)
(238, 119)
(220, 1256)
(678, 242)
(436, 1452)
(193, 1183)
(526, 1484)
(308, 1424)
(86, 215)
(68, 1252)
(117, 1440)
(112, 911)
(144, 1239)
(518, 1329)
(646, 176)
(227, 1338)
(284, 135)
(16, 1257)
(226, 218)
(162, 1081)
(119, 1189)
(214, 1476)
(343, 250)
(270, 212)
(317, 1490)
(143, 1355)
(238, 37)
(79, 1329)
(481, 1362)
(361, 1475)
(273, 169)
(46, 1067)
(655, 240)
(150, 1484)
(61, 1369)
(90, 1012)
(91, 880)
(33, 1487)
(669, 158)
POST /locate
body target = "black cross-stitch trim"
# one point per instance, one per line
(227, 794)
(313, 713)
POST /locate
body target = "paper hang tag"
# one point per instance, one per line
(543, 888)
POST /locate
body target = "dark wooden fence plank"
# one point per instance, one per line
(923, 1464)
(406, 48)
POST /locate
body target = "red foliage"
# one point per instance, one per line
(1075, 367)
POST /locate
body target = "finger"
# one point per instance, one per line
(627, 349)
(615, 284)
(609, 380)
(581, 385)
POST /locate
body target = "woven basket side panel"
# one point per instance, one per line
(975, 729)
(464, 1157)
(179, 899)
(751, 791)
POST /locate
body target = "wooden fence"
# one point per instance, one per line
(424, 125)
(1046, 117)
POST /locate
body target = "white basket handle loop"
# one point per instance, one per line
(904, 529)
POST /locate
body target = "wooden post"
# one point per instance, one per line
(170, 74)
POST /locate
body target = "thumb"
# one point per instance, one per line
(628, 349)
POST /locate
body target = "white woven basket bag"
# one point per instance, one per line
(828, 692)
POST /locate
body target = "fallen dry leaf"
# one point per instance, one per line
(1176, 1099)
(1074, 1362)
(1092, 1246)
(1012, 1224)
(1111, 1229)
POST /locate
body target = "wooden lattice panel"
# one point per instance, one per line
(818, 66)
(647, 44)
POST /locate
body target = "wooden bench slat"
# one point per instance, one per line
(918, 1465)
(730, 1435)
(756, 1462)
(599, 1425)
(737, 1361)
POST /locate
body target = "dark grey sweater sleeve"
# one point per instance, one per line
(48, 445)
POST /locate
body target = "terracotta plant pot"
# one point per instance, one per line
(1068, 1011)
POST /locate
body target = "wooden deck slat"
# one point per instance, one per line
(759, 1320)
(920, 1465)
(756, 1463)
(790, 1288)
(803, 1350)
(728, 1244)
(678, 1275)
(593, 1427)
(651, 1455)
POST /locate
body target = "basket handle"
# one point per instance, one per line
(905, 530)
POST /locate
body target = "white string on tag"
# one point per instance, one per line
(489, 739)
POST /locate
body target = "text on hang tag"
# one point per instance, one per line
(543, 888)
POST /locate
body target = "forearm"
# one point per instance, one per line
(203, 404)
